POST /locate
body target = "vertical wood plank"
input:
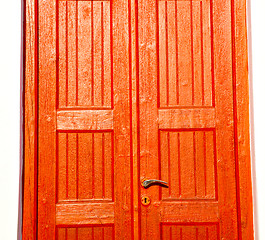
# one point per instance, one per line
(210, 165)
(185, 64)
(97, 52)
(164, 161)
(172, 64)
(72, 190)
(162, 53)
(122, 159)
(197, 51)
(30, 121)
(71, 233)
(85, 234)
(211, 231)
(61, 234)
(85, 166)
(148, 37)
(200, 164)
(108, 233)
(108, 165)
(47, 119)
(62, 81)
(242, 117)
(207, 53)
(188, 232)
(107, 62)
(187, 164)
(71, 51)
(98, 165)
(98, 233)
(84, 53)
(224, 113)
(174, 182)
(62, 164)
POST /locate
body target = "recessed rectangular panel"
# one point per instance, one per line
(85, 120)
(84, 36)
(86, 233)
(188, 164)
(190, 231)
(185, 65)
(84, 166)
(84, 213)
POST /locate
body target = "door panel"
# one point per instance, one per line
(185, 77)
(188, 164)
(86, 233)
(190, 231)
(85, 54)
(84, 120)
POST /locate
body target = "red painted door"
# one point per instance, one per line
(131, 91)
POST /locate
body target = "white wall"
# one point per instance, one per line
(10, 101)
(9, 116)
(257, 72)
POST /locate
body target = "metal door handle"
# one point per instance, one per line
(149, 182)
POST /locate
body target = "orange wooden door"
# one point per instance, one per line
(84, 121)
(186, 120)
(129, 91)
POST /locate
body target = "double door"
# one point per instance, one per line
(131, 91)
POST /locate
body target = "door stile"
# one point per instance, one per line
(122, 118)
(241, 83)
(29, 208)
(223, 78)
(134, 120)
(148, 114)
(47, 119)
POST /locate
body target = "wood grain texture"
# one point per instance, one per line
(85, 66)
(181, 212)
(186, 118)
(85, 120)
(84, 213)
(185, 54)
(122, 119)
(30, 122)
(85, 166)
(225, 148)
(47, 119)
(188, 164)
(241, 108)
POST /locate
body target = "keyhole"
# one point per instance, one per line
(145, 201)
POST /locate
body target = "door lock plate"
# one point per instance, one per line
(145, 200)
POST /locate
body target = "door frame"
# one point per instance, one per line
(241, 119)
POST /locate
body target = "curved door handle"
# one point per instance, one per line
(150, 182)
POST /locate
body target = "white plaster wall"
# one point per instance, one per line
(10, 29)
(257, 74)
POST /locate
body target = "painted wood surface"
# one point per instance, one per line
(121, 91)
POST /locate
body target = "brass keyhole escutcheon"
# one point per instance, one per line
(145, 200)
